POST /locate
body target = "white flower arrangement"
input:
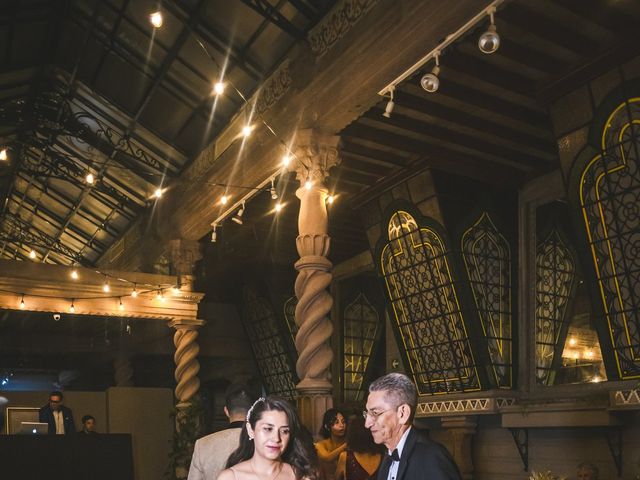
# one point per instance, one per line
(545, 476)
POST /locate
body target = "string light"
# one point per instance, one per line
(74, 274)
(89, 178)
(160, 295)
(22, 305)
(278, 207)
(331, 199)
(573, 341)
(218, 88)
(134, 292)
(286, 160)
(105, 286)
(120, 306)
(224, 199)
(246, 130)
(156, 19)
(32, 254)
(175, 290)
(72, 308)
(3, 155)
(308, 184)
(157, 193)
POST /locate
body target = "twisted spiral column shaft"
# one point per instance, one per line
(186, 359)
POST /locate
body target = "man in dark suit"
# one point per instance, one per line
(391, 406)
(59, 417)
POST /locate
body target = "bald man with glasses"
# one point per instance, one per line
(391, 406)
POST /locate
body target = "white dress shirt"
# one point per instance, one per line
(393, 468)
(59, 418)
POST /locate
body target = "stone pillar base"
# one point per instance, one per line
(314, 398)
(461, 430)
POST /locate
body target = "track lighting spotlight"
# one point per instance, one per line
(214, 233)
(272, 191)
(430, 81)
(238, 216)
(3, 154)
(389, 108)
(489, 41)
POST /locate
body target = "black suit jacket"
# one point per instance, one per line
(46, 416)
(422, 459)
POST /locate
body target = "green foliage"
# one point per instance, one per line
(188, 428)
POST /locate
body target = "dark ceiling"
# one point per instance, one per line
(91, 87)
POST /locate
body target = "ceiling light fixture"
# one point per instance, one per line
(489, 41)
(331, 199)
(272, 191)
(438, 49)
(214, 233)
(22, 305)
(134, 292)
(120, 305)
(224, 199)
(157, 193)
(238, 217)
(156, 19)
(89, 178)
(175, 290)
(3, 154)
(74, 274)
(278, 207)
(246, 130)
(430, 81)
(32, 254)
(286, 160)
(72, 308)
(105, 286)
(308, 184)
(389, 108)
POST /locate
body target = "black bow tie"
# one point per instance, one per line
(394, 455)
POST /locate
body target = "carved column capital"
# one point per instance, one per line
(183, 255)
(316, 153)
(461, 430)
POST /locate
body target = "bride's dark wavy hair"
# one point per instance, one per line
(300, 452)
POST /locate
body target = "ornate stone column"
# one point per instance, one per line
(315, 155)
(186, 359)
(183, 255)
(461, 430)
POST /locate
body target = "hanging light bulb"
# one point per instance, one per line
(214, 233)
(22, 305)
(158, 192)
(134, 292)
(389, 108)
(3, 155)
(430, 81)
(218, 88)
(105, 286)
(278, 207)
(286, 160)
(331, 199)
(72, 308)
(489, 41)
(246, 130)
(308, 184)
(32, 254)
(272, 191)
(175, 290)
(74, 274)
(156, 19)
(89, 178)
(224, 199)
(120, 305)
(238, 216)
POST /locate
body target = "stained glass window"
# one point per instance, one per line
(361, 323)
(487, 260)
(555, 273)
(425, 307)
(268, 346)
(609, 200)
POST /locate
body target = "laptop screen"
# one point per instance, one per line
(34, 428)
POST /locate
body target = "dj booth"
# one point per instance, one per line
(71, 457)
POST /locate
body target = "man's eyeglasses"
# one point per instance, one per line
(373, 413)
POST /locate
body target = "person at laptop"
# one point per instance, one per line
(88, 424)
(57, 416)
